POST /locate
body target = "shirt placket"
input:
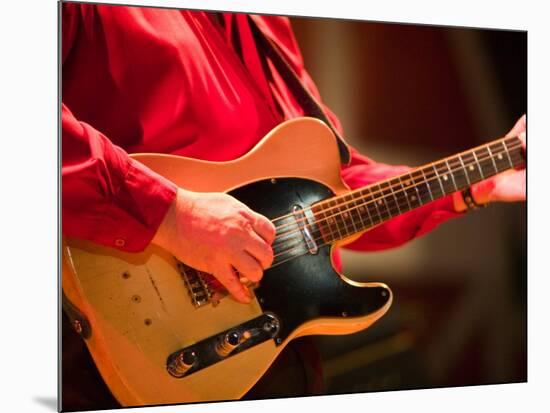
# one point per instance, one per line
(245, 74)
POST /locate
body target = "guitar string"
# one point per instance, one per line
(358, 204)
(425, 181)
(502, 142)
(388, 192)
(430, 174)
(327, 242)
(332, 233)
(286, 244)
(298, 244)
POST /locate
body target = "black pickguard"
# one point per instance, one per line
(306, 287)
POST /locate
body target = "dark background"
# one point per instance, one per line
(410, 94)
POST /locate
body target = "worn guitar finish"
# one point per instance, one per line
(139, 308)
(161, 332)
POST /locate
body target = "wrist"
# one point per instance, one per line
(470, 198)
(458, 202)
(167, 231)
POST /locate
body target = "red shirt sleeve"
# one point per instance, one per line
(107, 197)
(362, 170)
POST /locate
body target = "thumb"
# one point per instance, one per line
(519, 127)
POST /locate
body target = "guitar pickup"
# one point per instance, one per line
(306, 228)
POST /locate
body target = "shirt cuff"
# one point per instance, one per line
(132, 218)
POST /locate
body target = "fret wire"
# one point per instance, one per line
(384, 199)
(473, 172)
(488, 159)
(316, 219)
(362, 210)
(335, 219)
(458, 173)
(448, 186)
(486, 165)
(399, 204)
(417, 191)
(394, 197)
(333, 228)
(427, 183)
(375, 212)
(351, 215)
(376, 206)
(516, 153)
(478, 165)
(382, 202)
(405, 193)
(323, 219)
(317, 231)
(387, 195)
(452, 174)
(508, 154)
(501, 141)
(358, 210)
(492, 158)
(347, 219)
(465, 170)
(329, 227)
(500, 157)
(326, 222)
(366, 208)
(342, 222)
(438, 179)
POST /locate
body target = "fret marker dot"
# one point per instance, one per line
(379, 202)
(499, 156)
(471, 167)
(413, 198)
(445, 177)
(407, 182)
(345, 214)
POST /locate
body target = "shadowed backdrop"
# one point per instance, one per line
(410, 94)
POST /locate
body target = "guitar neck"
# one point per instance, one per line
(343, 216)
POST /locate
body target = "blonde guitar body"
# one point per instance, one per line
(140, 311)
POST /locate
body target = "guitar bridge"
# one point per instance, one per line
(197, 284)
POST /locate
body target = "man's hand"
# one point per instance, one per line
(217, 234)
(508, 186)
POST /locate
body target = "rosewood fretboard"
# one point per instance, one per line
(359, 210)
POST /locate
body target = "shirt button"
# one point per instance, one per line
(119, 242)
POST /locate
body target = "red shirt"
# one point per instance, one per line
(138, 79)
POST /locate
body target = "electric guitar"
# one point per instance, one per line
(161, 332)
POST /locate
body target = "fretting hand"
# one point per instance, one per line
(508, 186)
